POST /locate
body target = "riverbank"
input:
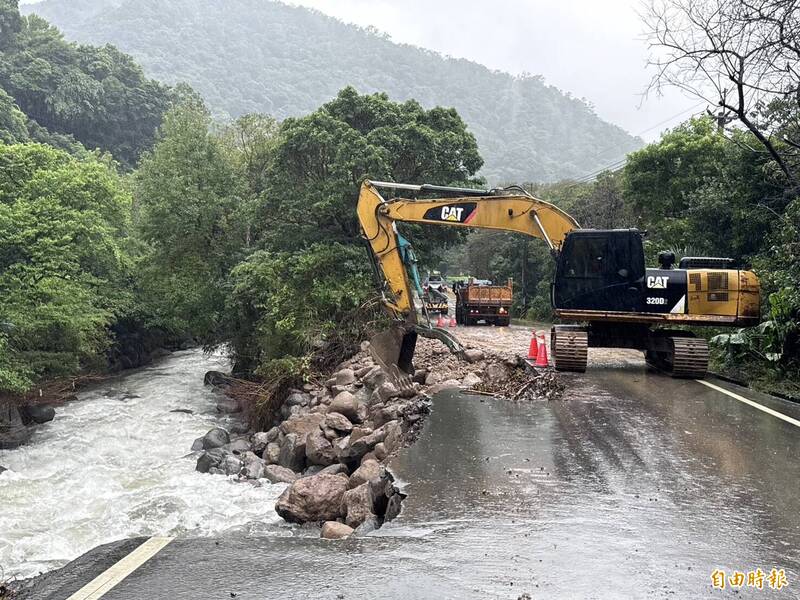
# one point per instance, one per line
(20, 414)
(331, 441)
(115, 464)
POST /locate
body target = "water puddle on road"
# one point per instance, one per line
(116, 464)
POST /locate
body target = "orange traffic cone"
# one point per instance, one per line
(452, 321)
(541, 359)
(440, 321)
(533, 349)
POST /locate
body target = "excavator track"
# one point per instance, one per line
(687, 357)
(569, 347)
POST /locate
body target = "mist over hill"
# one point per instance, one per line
(260, 56)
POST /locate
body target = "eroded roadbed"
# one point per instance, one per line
(633, 486)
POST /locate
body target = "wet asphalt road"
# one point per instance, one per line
(633, 486)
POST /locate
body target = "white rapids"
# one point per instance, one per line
(117, 464)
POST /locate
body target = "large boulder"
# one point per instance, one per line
(344, 377)
(337, 422)
(495, 373)
(253, 467)
(302, 425)
(312, 470)
(359, 432)
(357, 505)
(13, 432)
(432, 378)
(420, 375)
(363, 371)
(385, 391)
(316, 498)
(393, 439)
(293, 452)
(13, 437)
(473, 355)
(37, 413)
(375, 377)
(219, 461)
(348, 405)
(358, 447)
(272, 453)
(279, 474)
(471, 380)
(215, 438)
(319, 450)
(298, 398)
(259, 441)
(239, 446)
(380, 451)
(333, 530)
(369, 469)
(336, 469)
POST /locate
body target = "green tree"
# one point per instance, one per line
(694, 177)
(189, 191)
(293, 297)
(63, 268)
(13, 128)
(322, 159)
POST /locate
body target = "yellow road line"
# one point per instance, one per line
(760, 407)
(101, 584)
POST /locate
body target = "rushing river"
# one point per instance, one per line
(116, 464)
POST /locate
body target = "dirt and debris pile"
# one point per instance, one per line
(526, 385)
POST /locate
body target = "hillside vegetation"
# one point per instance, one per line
(246, 56)
(68, 95)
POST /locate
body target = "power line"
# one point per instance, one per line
(620, 163)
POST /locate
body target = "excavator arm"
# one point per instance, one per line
(493, 209)
(394, 261)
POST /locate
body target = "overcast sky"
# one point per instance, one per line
(591, 48)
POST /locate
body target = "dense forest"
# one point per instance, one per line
(256, 56)
(62, 93)
(132, 218)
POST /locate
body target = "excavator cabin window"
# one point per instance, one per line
(587, 258)
(600, 270)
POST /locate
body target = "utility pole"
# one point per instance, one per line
(723, 117)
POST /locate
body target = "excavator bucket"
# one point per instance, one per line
(394, 349)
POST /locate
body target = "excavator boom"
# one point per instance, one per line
(495, 209)
(394, 261)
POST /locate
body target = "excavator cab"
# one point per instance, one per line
(600, 269)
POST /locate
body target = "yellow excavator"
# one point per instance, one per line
(601, 284)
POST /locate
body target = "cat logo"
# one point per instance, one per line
(463, 212)
(452, 213)
(657, 283)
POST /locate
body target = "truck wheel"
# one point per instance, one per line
(503, 322)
